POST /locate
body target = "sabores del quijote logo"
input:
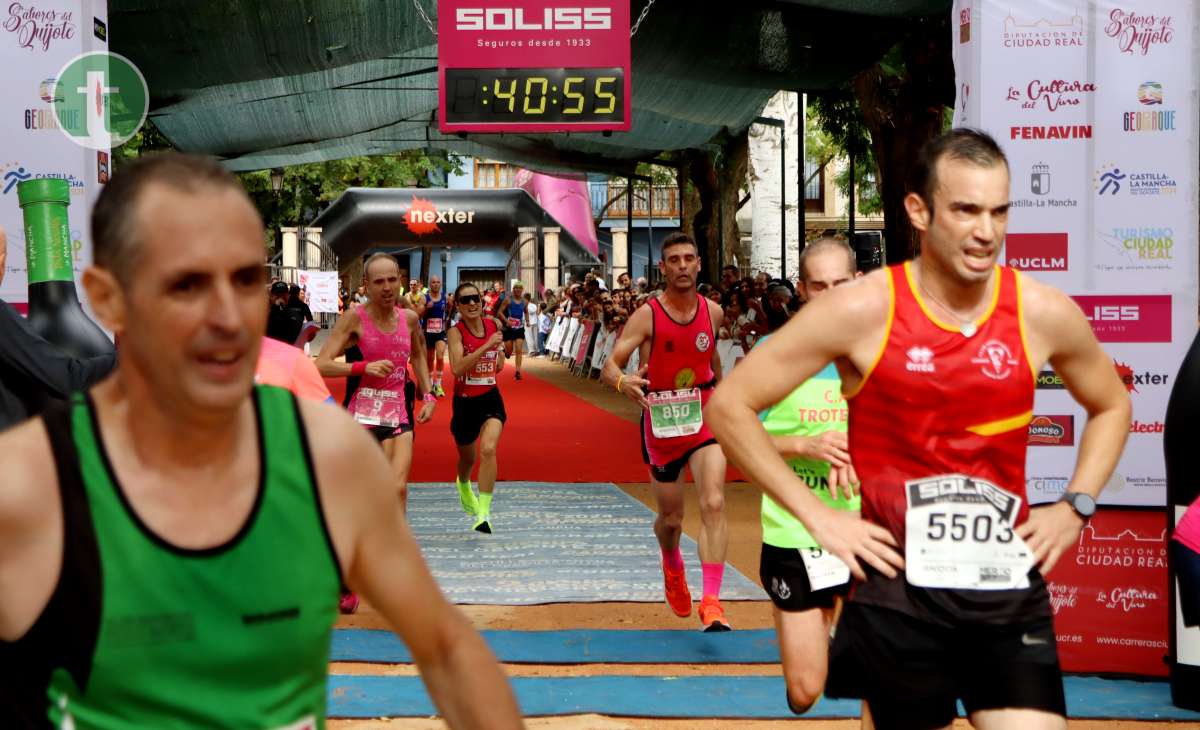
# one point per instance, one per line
(1139, 33)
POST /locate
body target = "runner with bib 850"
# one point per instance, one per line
(938, 359)
(676, 338)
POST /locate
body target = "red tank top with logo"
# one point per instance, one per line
(938, 402)
(481, 378)
(680, 353)
(379, 345)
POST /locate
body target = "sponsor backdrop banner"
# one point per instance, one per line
(37, 39)
(1109, 595)
(1095, 106)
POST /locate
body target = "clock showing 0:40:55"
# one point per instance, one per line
(559, 96)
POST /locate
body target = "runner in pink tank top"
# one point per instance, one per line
(379, 401)
(676, 336)
(390, 338)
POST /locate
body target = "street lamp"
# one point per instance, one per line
(276, 179)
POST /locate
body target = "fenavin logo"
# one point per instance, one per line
(574, 18)
(101, 100)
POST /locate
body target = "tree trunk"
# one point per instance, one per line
(731, 174)
(902, 114)
(704, 226)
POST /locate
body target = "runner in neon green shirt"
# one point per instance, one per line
(809, 429)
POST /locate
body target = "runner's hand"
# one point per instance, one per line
(495, 340)
(845, 479)
(380, 368)
(831, 446)
(1049, 532)
(851, 538)
(426, 412)
(634, 386)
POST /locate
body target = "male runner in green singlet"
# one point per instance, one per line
(809, 429)
(171, 543)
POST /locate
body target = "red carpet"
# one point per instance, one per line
(550, 436)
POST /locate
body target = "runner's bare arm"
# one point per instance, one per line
(417, 337)
(335, 345)
(1060, 334)
(380, 560)
(718, 321)
(849, 322)
(31, 528)
(637, 331)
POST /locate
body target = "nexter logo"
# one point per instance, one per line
(519, 19)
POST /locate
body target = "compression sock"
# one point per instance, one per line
(485, 504)
(673, 559)
(466, 497)
(713, 573)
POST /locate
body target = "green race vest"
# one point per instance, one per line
(233, 636)
(813, 408)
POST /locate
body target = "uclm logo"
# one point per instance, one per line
(1128, 318)
(569, 18)
(1036, 251)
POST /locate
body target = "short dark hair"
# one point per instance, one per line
(730, 267)
(116, 240)
(675, 239)
(961, 143)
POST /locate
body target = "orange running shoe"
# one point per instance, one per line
(675, 586)
(712, 616)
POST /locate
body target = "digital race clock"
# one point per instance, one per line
(533, 66)
(535, 95)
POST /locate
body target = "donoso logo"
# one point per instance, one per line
(1036, 251)
(521, 19)
(1129, 318)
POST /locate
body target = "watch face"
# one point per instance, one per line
(1084, 504)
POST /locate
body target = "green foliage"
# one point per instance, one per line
(147, 139)
(833, 128)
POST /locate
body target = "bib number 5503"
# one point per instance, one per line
(959, 527)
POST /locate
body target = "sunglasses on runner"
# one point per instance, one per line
(469, 299)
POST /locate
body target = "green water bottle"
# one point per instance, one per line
(54, 310)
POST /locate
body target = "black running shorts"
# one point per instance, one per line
(911, 672)
(783, 575)
(514, 333)
(471, 413)
(432, 338)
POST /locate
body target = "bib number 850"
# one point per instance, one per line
(958, 526)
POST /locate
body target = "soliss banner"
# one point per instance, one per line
(1095, 106)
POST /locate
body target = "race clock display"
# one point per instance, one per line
(558, 96)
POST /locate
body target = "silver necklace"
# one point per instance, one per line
(965, 326)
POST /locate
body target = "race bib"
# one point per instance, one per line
(960, 535)
(434, 325)
(675, 413)
(825, 570)
(378, 407)
(484, 372)
(514, 323)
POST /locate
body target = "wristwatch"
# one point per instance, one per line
(429, 398)
(1083, 504)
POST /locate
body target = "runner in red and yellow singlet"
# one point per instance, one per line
(938, 359)
(676, 336)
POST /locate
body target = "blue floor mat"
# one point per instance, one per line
(552, 543)
(580, 647)
(738, 697)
